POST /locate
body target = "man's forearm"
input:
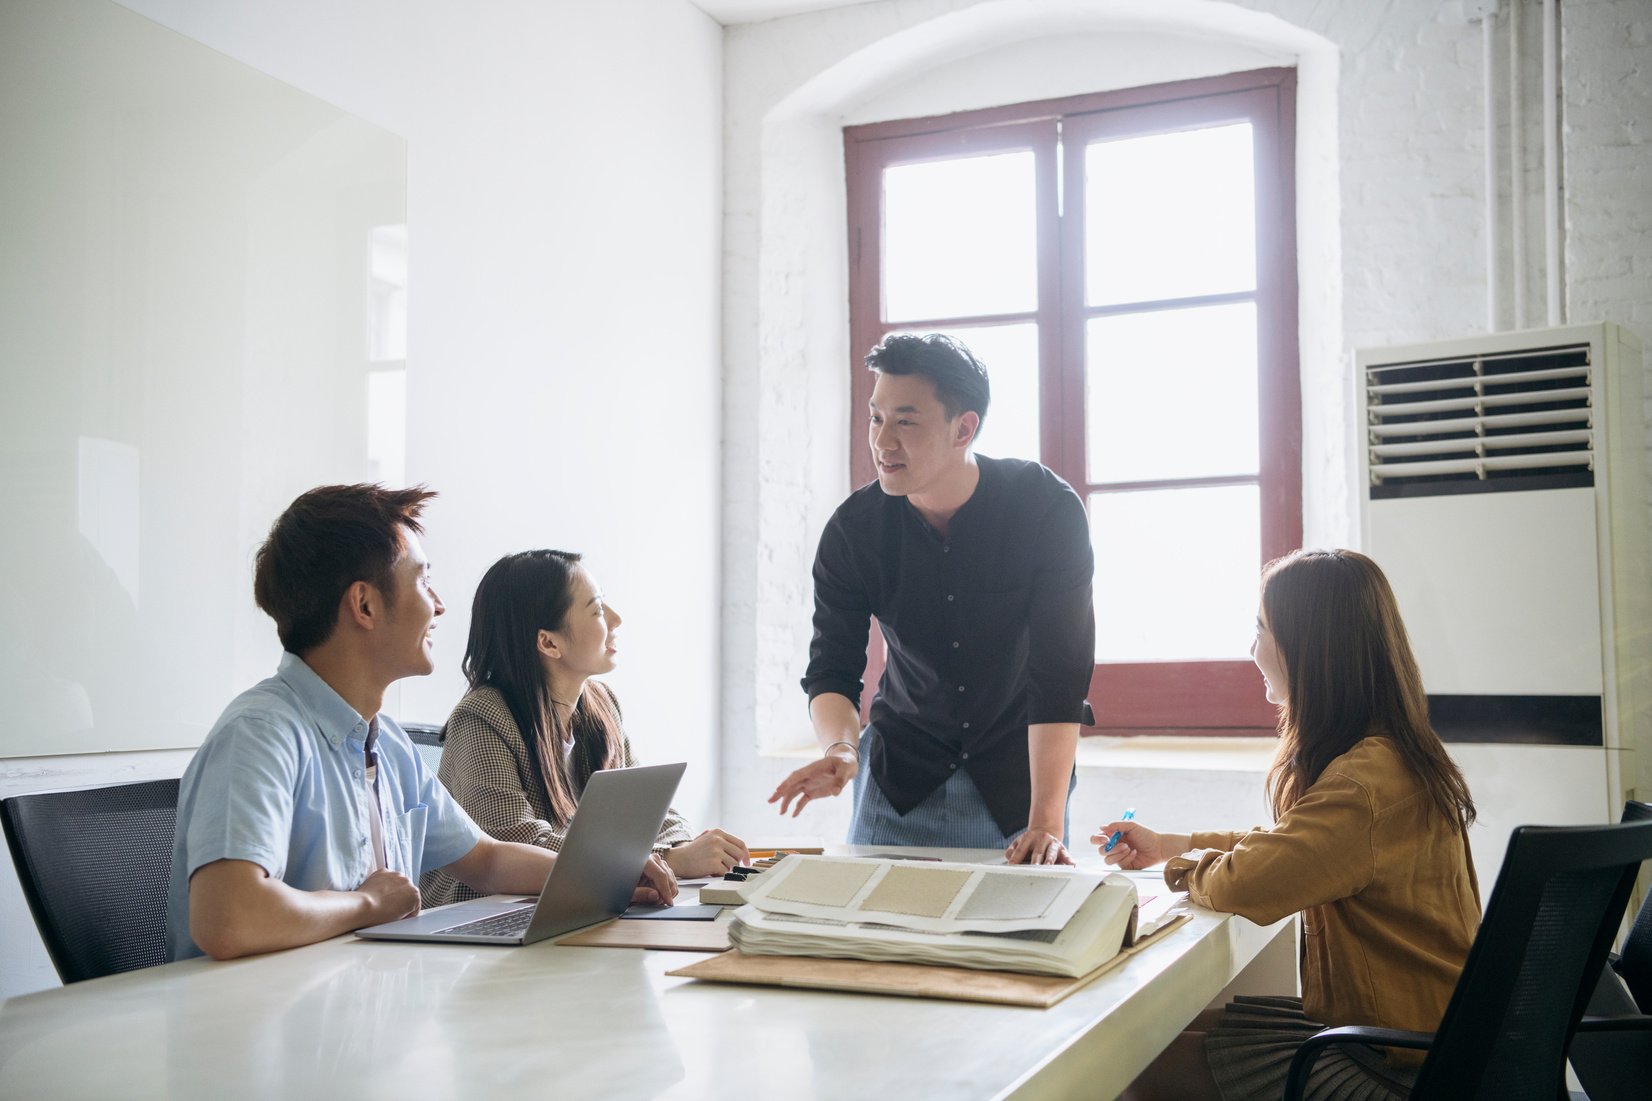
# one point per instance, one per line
(234, 913)
(835, 720)
(1051, 748)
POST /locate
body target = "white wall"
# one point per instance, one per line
(564, 203)
(1391, 250)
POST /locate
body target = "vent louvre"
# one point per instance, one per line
(1475, 424)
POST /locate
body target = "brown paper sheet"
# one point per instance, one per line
(912, 980)
(670, 936)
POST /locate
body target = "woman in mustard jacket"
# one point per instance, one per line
(1370, 845)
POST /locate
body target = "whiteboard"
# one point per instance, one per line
(202, 314)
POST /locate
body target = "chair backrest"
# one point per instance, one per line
(94, 866)
(428, 741)
(1548, 926)
(1634, 963)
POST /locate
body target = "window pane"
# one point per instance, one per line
(1171, 394)
(960, 238)
(1170, 216)
(1177, 573)
(1010, 353)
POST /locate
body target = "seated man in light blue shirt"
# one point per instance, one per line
(307, 813)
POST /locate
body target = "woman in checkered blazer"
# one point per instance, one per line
(521, 744)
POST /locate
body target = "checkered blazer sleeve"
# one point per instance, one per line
(485, 765)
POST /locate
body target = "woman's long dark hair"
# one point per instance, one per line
(1349, 673)
(521, 595)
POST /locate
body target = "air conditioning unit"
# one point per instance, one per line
(1505, 495)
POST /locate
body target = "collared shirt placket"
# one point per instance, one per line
(952, 614)
(365, 773)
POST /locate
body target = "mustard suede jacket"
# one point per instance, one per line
(1385, 885)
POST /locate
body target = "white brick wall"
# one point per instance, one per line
(1606, 61)
(1403, 258)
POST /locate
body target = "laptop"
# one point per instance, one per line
(608, 841)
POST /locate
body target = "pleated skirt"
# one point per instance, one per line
(1250, 1054)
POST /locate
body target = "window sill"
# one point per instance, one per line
(1170, 752)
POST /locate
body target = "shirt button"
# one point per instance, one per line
(357, 771)
(966, 726)
(965, 756)
(946, 550)
(954, 645)
(949, 596)
(960, 688)
(953, 766)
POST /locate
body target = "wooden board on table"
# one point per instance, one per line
(912, 980)
(668, 936)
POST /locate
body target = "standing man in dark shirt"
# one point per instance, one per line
(978, 571)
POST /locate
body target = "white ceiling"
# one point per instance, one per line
(755, 11)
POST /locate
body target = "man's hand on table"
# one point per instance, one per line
(1037, 846)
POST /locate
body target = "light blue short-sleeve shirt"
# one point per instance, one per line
(281, 782)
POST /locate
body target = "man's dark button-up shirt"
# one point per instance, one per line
(989, 628)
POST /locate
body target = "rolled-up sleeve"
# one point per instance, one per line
(1061, 626)
(843, 617)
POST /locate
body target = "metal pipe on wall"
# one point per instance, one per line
(1488, 40)
(1517, 169)
(1551, 160)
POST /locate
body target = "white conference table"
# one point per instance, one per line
(359, 1019)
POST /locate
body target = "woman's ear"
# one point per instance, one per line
(547, 644)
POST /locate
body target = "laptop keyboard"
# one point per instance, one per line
(511, 924)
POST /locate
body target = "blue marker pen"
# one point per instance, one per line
(1127, 816)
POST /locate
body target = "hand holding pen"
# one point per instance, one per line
(1128, 816)
(1128, 844)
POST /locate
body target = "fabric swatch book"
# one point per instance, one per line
(1044, 920)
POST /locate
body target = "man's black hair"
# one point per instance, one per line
(960, 380)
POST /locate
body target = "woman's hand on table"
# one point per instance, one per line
(658, 886)
(710, 854)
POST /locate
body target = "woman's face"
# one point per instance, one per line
(586, 643)
(1265, 652)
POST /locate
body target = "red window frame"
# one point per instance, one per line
(1204, 697)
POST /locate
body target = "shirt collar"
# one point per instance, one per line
(969, 508)
(336, 719)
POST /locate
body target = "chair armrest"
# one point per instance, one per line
(1303, 1062)
(1630, 1023)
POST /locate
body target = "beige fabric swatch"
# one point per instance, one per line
(823, 883)
(924, 892)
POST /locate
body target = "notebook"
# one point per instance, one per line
(608, 842)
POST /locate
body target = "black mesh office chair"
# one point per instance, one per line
(94, 866)
(1547, 928)
(1634, 965)
(1617, 1065)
